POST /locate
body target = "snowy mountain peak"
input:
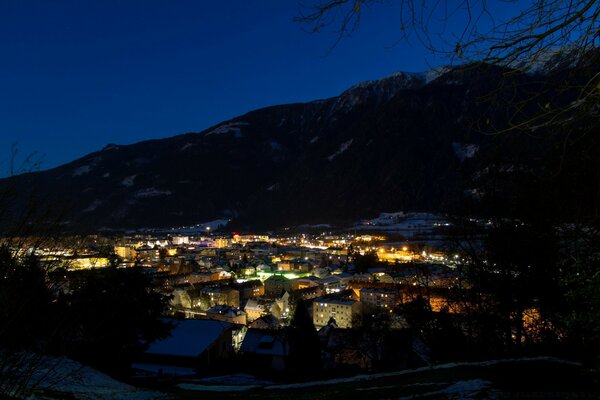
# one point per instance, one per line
(377, 91)
(397, 80)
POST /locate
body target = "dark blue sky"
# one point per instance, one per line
(76, 75)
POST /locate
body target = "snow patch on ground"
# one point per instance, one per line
(359, 378)
(403, 80)
(186, 146)
(474, 193)
(70, 379)
(151, 192)
(106, 175)
(216, 388)
(198, 228)
(234, 127)
(343, 147)
(314, 226)
(377, 91)
(235, 379)
(274, 186)
(142, 369)
(228, 383)
(84, 169)
(408, 224)
(110, 147)
(128, 181)
(95, 204)
(469, 387)
(275, 146)
(215, 224)
(314, 140)
(433, 74)
(465, 150)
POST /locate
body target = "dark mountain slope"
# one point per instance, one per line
(400, 143)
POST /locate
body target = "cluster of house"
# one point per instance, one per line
(233, 298)
(238, 302)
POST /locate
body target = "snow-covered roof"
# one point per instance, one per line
(330, 279)
(326, 300)
(378, 290)
(253, 305)
(267, 342)
(190, 337)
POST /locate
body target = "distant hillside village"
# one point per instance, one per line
(233, 298)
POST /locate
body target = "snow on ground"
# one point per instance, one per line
(473, 386)
(65, 376)
(314, 226)
(433, 74)
(465, 389)
(469, 389)
(314, 139)
(234, 127)
(84, 169)
(343, 147)
(359, 378)
(186, 146)
(216, 388)
(408, 224)
(227, 383)
(275, 146)
(403, 79)
(235, 379)
(110, 147)
(128, 181)
(474, 193)
(464, 150)
(215, 224)
(201, 228)
(162, 370)
(387, 218)
(150, 192)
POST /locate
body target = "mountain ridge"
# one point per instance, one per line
(403, 142)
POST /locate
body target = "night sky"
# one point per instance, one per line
(77, 75)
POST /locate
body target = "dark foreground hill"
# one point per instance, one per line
(405, 142)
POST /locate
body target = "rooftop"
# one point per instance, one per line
(189, 338)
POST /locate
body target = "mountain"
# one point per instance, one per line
(405, 142)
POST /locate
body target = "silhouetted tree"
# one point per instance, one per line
(557, 32)
(580, 319)
(367, 261)
(115, 315)
(305, 353)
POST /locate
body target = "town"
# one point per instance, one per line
(231, 297)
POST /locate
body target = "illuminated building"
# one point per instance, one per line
(222, 296)
(222, 243)
(88, 262)
(125, 252)
(380, 298)
(341, 310)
